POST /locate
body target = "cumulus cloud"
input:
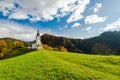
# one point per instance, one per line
(94, 19)
(36, 10)
(75, 25)
(15, 30)
(18, 15)
(88, 28)
(112, 26)
(97, 7)
(63, 28)
(78, 11)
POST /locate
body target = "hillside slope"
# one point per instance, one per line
(106, 43)
(54, 65)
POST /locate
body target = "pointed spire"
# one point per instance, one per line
(38, 32)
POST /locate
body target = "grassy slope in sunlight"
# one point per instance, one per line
(54, 65)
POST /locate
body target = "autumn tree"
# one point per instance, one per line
(9, 45)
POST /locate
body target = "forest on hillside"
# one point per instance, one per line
(106, 43)
(7, 45)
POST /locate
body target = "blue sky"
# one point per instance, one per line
(69, 18)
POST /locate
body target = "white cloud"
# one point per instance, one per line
(88, 28)
(18, 15)
(15, 30)
(65, 26)
(97, 7)
(94, 19)
(112, 26)
(78, 11)
(5, 7)
(36, 10)
(75, 25)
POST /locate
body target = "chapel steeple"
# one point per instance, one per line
(38, 33)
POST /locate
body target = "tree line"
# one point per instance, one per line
(7, 45)
(106, 43)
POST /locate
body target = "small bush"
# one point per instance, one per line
(47, 47)
(63, 49)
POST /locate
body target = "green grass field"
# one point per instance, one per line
(54, 65)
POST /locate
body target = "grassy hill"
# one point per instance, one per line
(54, 65)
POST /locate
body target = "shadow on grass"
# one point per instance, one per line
(17, 52)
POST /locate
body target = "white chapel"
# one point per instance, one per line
(37, 43)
